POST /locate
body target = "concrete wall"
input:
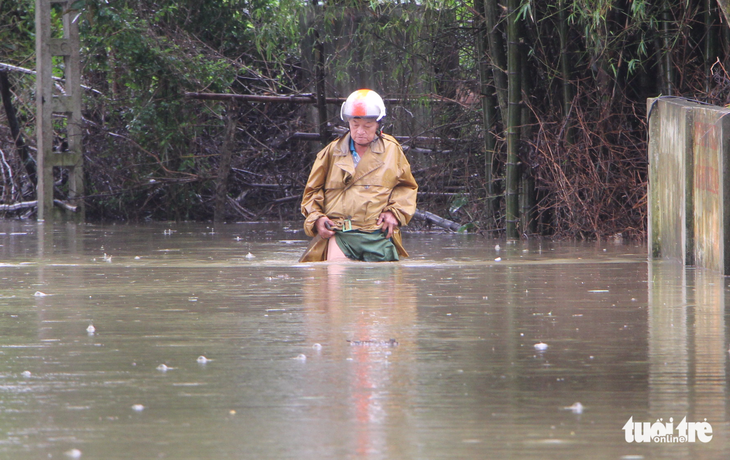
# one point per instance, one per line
(687, 196)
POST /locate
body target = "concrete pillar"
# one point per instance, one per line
(670, 219)
(66, 104)
(711, 128)
(688, 196)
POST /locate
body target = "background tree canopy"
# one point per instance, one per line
(518, 116)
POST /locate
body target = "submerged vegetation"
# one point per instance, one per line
(520, 117)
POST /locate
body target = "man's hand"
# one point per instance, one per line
(389, 223)
(323, 226)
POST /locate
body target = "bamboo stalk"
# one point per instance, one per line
(669, 74)
(527, 183)
(489, 112)
(514, 114)
(497, 49)
(565, 66)
(710, 42)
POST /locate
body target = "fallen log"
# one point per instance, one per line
(295, 99)
(66, 206)
(307, 98)
(17, 206)
(401, 139)
(439, 221)
(33, 204)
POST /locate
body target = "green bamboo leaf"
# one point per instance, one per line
(457, 203)
(467, 227)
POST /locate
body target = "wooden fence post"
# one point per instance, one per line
(69, 154)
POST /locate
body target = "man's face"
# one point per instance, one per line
(363, 130)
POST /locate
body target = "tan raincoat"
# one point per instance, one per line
(381, 182)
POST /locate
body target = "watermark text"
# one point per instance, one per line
(666, 432)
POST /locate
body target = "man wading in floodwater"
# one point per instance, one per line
(360, 190)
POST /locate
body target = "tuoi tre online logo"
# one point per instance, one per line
(660, 432)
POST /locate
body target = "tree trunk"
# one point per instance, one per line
(321, 92)
(23, 153)
(514, 114)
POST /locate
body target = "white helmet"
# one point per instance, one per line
(363, 103)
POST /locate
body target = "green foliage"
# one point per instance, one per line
(144, 56)
(457, 203)
(607, 29)
(17, 32)
(469, 227)
(153, 153)
(390, 41)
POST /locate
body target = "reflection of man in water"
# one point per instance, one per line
(353, 311)
(360, 189)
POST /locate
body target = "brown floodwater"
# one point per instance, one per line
(472, 348)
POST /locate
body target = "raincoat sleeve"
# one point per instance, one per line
(402, 202)
(313, 198)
